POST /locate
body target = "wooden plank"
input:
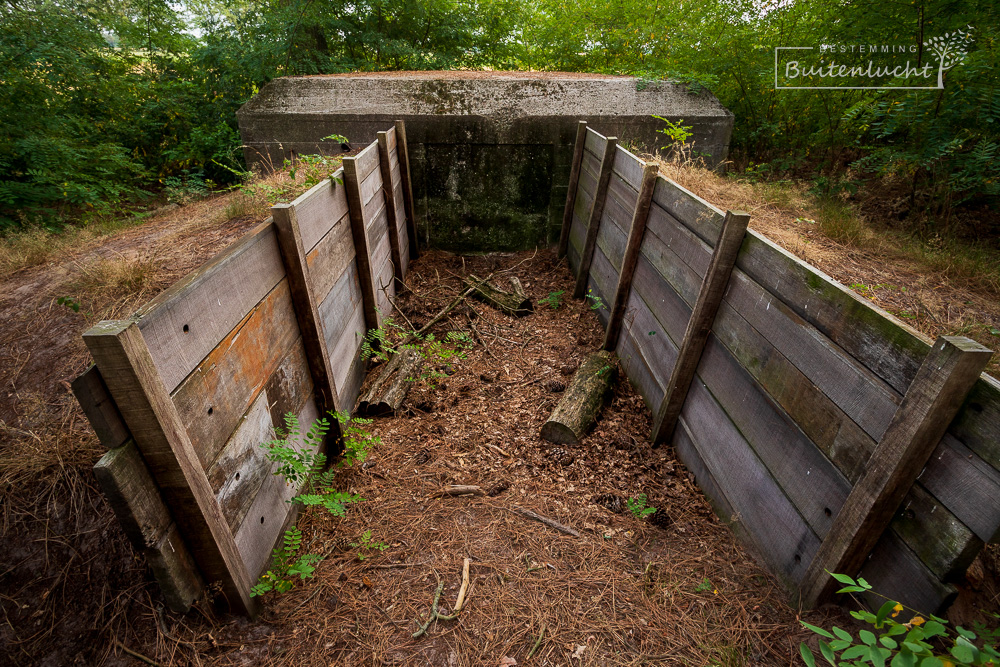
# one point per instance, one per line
(697, 214)
(378, 234)
(336, 310)
(622, 198)
(890, 349)
(978, 423)
(330, 258)
(667, 307)
(594, 288)
(133, 495)
(637, 369)
(574, 180)
(371, 188)
(175, 571)
(605, 279)
(573, 257)
(306, 312)
(780, 534)
(937, 392)
(586, 184)
(120, 352)
(407, 180)
(352, 382)
(577, 235)
(946, 546)
(593, 218)
(612, 241)
(374, 214)
(637, 229)
(596, 143)
(320, 208)
(646, 346)
(102, 413)
(239, 471)
(390, 140)
(185, 322)
(385, 288)
(405, 259)
(345, 352)
(631, 168)
(367, 161)
(965, 484)
(700, 324)
(688, 454)
(686, 248)
(266, 518)
(894, 571)
(363, 258)
(214, 397)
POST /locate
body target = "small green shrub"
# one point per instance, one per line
(553, 300)
(358, 441)
(286, 564)
(638, 506)
(365, 545)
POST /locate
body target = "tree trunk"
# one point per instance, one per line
(515, 304)
(579, 406)
(386, 394)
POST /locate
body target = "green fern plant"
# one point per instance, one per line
(553, 300)
(358, 440)
(638, 506)
(286, 565)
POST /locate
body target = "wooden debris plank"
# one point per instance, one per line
(890, 349)
(894, 571)
(266, 517)
(102, 413)
(336, 309)
(941, 542)
(700, 323)
(185, 322)
(121, 353)
(978, 423)
(781, 535)
(215, 396)
(320, 208)
(330, 257)
(937, 392)
(694, 212)
(808, 479)
(629, 167)
(595, 143)
(133, 495)
(367, 161)
(371, 189)
(242, 466)
(965, 484)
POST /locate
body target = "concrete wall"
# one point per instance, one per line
(490, 151)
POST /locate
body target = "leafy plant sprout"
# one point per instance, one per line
(638, 506)
(553, 300)
(365, 545)
(596, 302)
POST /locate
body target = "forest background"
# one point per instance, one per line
(107, 105)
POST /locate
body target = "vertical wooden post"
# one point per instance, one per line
(631, 256)
(945, 378)
(131, 376)
(713, 287)
(403, 150)
(390, 206)
(293, 254)
(102, 413)
(594, 218)
(574, 182)
(356, 210)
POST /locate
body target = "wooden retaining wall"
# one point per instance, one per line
(829, 435)
(184, 393)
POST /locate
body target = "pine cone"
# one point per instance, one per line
(498, 488)
(560, 456)
(661, 519)
(611, 502)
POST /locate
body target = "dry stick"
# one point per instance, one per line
(434, 612)
(538, 642)
(459, 490)
(138, 656)
(528, 514)
(465, 587)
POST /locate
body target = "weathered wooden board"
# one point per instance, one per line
(978, 423)
(595, 144)
(403, 154)
(808, 479)
(385, 288)
(592, 165)
(239, 471)
(697, 214)
(184, 323)
(594, 290)
(338, 308)
(573, 257)
(371, 186)
(175, 571)
(637, 369)
(966, 485)
(265, 518)
(629, 167)
(668, 246)
(781, 535)
(605, 277)
(942, 543)
(378, 240)
(320, 208)
(688, 454)
(133, 495)
(376, 219)
(588, 182)
(216, 395)
(102, 413)
(572, 186)
(650, 338)
(330, 257)
(622, 198)
(352, 381)
(367, 161)
(592, 216)
(611, 239)
(345, 352)
(895, 572)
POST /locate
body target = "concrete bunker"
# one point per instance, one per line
(490, 151)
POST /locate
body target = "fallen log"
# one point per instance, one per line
(386, 394)
(515, 304)
(578, 408)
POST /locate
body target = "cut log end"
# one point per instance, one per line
(385, 396)
(515, 304)
(578, 409)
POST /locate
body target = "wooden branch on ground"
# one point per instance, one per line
(386, 394)
(459, 490)
(515, 304)
(578, 408)
(528, 514)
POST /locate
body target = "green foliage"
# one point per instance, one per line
(390, 338)
(596, 302)
(703, 586)
(553, 300)
(357, 439)
(298, 454)
(286, 565)
(677, 133)
(365, 545)
(919, 641)
(638, 506)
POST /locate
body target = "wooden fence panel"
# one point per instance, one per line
(320, 208)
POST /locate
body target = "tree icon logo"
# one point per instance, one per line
(951, 49)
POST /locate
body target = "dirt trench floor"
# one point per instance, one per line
(680, 591)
